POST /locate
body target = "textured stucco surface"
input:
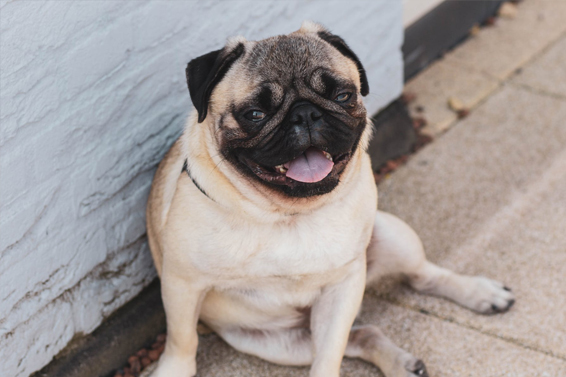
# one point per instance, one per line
(92, 95)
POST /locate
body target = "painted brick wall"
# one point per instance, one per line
(92, 95)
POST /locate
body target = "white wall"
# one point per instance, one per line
(415, 9)
(92, 95)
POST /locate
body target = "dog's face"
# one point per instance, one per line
(286, 111)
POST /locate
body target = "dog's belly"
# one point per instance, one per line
(269, 304)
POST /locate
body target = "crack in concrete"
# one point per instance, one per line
(537, 91)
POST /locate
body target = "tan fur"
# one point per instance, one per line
(278, 277)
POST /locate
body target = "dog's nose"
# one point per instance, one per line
(305, 115)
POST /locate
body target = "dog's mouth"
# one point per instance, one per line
(311, 166)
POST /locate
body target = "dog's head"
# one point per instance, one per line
(286, 111)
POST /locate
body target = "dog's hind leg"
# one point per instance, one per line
(284, 346)
(370, 344)
(295, 347)
(396, 249)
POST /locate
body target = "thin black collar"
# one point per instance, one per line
(186, 169)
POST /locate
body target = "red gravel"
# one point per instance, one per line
(143, 358)
(418, 123)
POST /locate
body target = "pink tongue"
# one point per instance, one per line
(311, 166)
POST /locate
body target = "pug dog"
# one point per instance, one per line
(262, 218)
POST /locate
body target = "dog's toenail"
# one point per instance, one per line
(507, 289)
(494, 308)
(420, 369)
(510, 303)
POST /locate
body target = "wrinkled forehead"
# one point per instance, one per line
(285, 67)
(287, 56)
(290, 60)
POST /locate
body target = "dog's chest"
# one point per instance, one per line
(305, 249)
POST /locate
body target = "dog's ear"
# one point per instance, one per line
(345, 50)
(205, 72)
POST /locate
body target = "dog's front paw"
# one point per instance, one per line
(172, 366)
(487, 296)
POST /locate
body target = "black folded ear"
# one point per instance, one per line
(345, 50)
(205, 72)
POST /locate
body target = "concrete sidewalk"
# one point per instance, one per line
(487, 197)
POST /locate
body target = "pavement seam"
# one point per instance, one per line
(531, 59)
(430, 313)
(454, 123)
(509, 80)
(538, 55)
(541, 92)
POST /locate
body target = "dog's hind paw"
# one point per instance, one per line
(417, 368)
(406, 365)
(487, 296)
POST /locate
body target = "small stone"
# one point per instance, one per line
(408, 97)
(419, 123)
(141, 353)
(455, 104)
(154, 355)
(156, 345)
(463, 113)
(508, 10)
(145, 362)
(135, 364)
(392, 165)
(490, 21)
(475, 30)
(385, 169)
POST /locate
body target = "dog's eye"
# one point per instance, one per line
(255, 115)
(343, 97)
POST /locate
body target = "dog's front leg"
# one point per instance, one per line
(332, 317)
(182, 300)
